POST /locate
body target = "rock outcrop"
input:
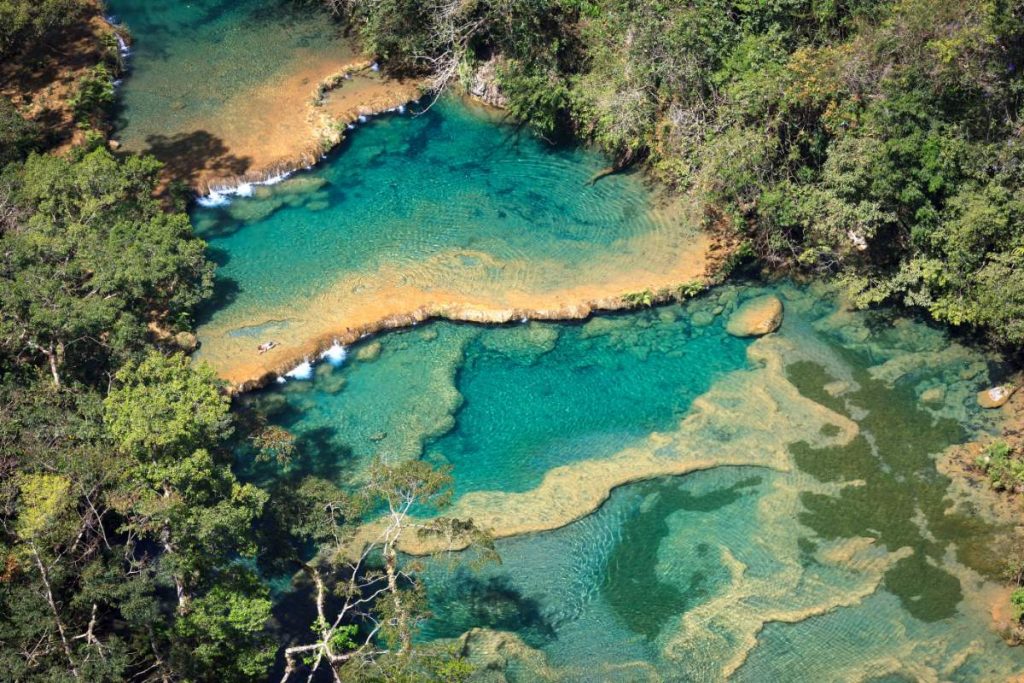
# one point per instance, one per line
(995, 397)
(485, 85)
(756, 318)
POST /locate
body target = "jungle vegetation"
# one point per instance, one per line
(129, 549)
(874, 141)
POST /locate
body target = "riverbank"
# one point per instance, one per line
(231, 93)
(43, 83)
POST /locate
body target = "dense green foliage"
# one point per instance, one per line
(875, 140)
(129, 550)
(122, 521)
(88, 258)
(1003, 465)
(18, 136)
(23, 22)
(128, 547)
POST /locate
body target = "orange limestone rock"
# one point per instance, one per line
(996, 397)
(756, 317)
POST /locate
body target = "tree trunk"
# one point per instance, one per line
(56, 614)
(401, 616)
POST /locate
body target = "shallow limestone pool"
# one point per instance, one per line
(670, 502)
(443, 211)
(221, 88)
(812, 539)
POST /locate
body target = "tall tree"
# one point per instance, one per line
(88, 258)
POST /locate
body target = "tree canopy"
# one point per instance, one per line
(877, 141)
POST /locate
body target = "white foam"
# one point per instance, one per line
(220, 196)
(213, 200)
(302, 371)
(362, 118)
(122, 46)
(335, 355)
(401, 109)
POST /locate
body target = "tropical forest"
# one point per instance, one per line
(511, 340)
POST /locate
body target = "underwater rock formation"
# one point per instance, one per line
(756, 317)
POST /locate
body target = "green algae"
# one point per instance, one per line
(712, 574)
(631, 586)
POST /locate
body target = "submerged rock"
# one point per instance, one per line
(996, 396)
(756, 317)
(933, 395)
(702, 318)
(369, 352)
(837, 388)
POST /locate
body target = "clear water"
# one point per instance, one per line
(195, 95)
(504, 405)
(846, 562)
(810, 539)
(439, 208)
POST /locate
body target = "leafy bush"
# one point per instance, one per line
(95, 94)
(1017, 601)
(1004, 470)
(23, 22)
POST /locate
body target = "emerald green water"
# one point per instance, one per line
(406, 188)
(522, 399)
(439, 208)
(194, 64)
(814, 540)
(647, 584)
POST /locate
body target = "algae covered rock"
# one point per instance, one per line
(702, 318)
(996, 396)
(369, 352)
(756, 317)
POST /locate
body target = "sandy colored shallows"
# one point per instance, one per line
(490, 291)
(280, 126)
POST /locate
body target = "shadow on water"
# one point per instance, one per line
(220, 257)
(469, 601)
(225, 291)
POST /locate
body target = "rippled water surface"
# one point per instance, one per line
(838, 561)
(441, 209)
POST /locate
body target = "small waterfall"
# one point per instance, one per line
(335, 355)
(221, 195)
(302, 371)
